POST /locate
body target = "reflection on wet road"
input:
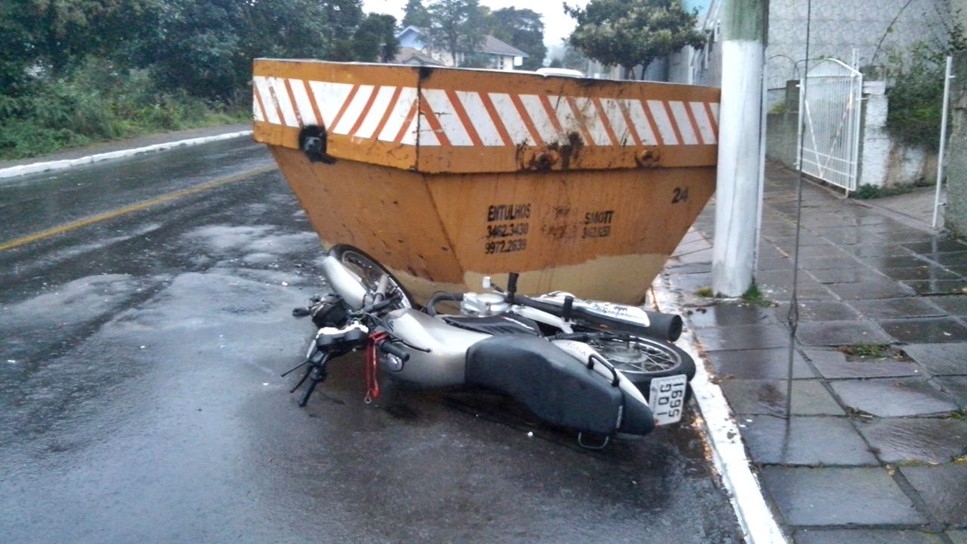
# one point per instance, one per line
(141, 396)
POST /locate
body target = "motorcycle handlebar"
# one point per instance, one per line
(381, 305)
(389, 347)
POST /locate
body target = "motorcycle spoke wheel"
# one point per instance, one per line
(369, 271)
(643, 359)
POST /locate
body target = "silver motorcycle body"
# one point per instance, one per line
(440, 360)
(496, 342)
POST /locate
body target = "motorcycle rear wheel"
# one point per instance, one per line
(643, 359)
(369, 271)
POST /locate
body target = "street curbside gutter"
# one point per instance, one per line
(728, 450)
(39, 167)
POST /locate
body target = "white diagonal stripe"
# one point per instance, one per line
(642, 125)
(612, 110)
(683, 122)
(665, 128)
(705, 127)
(480, 117)
(329, 98)
(303, 103)
(511, 119)
(542, 122)
(281, 95)
(410, 137)
(593, 121)
(447, 116)
(257, 114)
(394, 123)
(271, 112)
(424, 133)
(376, 111)
(351, 116)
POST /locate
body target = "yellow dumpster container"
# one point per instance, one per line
(447, 175)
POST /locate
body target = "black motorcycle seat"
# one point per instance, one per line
(555, 386)
(494, 324)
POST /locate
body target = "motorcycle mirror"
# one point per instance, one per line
(486, 282)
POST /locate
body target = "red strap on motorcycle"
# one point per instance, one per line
(372, 382)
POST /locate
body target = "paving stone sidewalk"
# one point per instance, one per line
(874, 447)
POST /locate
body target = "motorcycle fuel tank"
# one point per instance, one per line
(438, 352)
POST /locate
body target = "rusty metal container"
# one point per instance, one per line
(447, 175)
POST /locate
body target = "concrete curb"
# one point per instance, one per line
(40, 167)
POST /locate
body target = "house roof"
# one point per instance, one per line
(496, 47)
(408, 55)
(490, 45)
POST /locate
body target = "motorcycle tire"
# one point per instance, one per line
(642, 359)
(370, 271)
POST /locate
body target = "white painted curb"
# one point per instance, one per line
(728, 450)
(39, 167)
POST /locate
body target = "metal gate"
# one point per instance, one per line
(829, 118)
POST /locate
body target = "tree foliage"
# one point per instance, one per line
(58, 36)
(631, 33)
(73, 71)
(524, 29)
(456, 26)
(203, 48)
(375, 39)
(415, 15)
(916, 90)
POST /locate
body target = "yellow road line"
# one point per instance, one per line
(80, 223)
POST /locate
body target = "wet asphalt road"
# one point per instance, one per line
(141, 397)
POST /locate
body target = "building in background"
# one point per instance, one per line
(414, 49)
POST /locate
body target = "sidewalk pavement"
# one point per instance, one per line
(873, 448)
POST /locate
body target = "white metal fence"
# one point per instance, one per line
(829, 119)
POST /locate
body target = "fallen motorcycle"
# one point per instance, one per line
(581, 365)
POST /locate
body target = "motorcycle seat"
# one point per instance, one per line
(555, 386)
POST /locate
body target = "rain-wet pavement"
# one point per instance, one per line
(141, 398)
(872, 445)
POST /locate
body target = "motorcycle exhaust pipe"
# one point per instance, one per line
(664, 326)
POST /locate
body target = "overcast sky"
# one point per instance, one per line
(557, 25)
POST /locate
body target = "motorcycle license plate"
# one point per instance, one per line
(667, 398)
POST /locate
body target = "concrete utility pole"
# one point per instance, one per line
(955, 213)
(737, 193)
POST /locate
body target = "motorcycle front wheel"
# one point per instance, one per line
(643, 359)
(369, 271)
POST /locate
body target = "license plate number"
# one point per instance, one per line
(667, 398)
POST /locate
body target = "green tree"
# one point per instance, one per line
(198, 48)
(16, 35)
(375, 39)
(343, 18)
(283, 28)
(524, 29)
(56, 37)
(415, 15)
(456, 26)
(206, 48)
(631, 33)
